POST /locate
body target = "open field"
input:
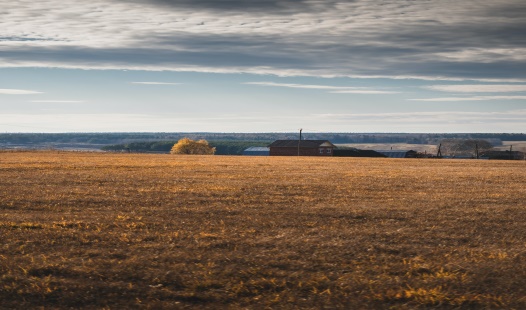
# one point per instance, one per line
(120, 231)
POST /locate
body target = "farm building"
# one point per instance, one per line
(356, 153)
(301, 148)
(257, 151)
(398, 154)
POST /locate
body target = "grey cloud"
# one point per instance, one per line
(335, 61)
(10, 91)
(305, 53)
(429, 37)
(466, 40)
(21, 39)
(261, 6)
(156, 83)
(476, 98)
(478, 88)
(507, 9)
(331, 89)
(161, 59)
(57, 101)
(467, 70)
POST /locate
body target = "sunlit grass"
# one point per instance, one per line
(127, 231)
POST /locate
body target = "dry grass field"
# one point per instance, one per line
(121, 231)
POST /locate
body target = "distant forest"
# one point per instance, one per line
(117, 138)
(222, 147)
(225, 143)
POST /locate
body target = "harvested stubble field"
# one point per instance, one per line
(91, 230)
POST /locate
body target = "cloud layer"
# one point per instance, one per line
(476, 98)
(456, 121)
(18, 92)
(481, 88)
(156, 83)
(331, 89)
(472, 39)
(57, 101)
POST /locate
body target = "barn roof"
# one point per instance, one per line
(257, 150)
(303, 143)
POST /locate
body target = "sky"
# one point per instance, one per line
(427, 66)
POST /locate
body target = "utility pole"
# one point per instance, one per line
(477, 150)
(299, 142)
(511, 148)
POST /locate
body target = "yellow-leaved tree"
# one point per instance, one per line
(189, 146)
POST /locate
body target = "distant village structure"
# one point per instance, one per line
(301, 148)
(325, 148)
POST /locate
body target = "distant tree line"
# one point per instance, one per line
(101, 139)
(221, 147)
(464, 147)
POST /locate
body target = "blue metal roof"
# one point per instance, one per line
(257, 150)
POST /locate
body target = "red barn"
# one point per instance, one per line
(301, 148)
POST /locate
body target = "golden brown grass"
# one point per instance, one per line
(89, 230)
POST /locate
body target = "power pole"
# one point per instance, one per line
(477, 150)
(299, 142)
(511, 148)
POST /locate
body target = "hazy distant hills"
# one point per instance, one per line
(99, 140)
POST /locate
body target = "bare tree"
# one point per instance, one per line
(464, 147)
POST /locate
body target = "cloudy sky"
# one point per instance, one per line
(263, 65)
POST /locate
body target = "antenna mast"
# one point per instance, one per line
(299, 142)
